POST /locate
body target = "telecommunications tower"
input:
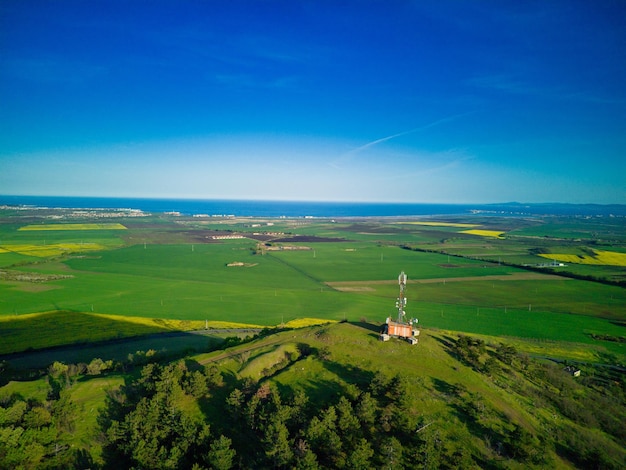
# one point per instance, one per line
(401, 301)
(400, 328)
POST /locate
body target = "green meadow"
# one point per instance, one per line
(168, 268)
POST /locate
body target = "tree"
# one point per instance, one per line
(221, 454)
(37, 418)
(359, 458)
(97, 366)
(366, 408)
(234, 403)
(277, 445)
(64, 412)
(506, 353)
(305, 457)
(347, 421)
(391, 450)
(58, 379)
(213, 375)
(379, 384)
(197, 385)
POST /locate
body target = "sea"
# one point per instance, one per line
(295, 209)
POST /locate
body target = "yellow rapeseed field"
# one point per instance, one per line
(601, 257)
(484, 233)
(55, 249)
(106, 226)
(304, 322)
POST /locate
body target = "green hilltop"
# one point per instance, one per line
(330, 396)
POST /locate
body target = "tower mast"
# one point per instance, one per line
(401, 302)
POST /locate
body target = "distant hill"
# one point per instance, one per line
(557, 208)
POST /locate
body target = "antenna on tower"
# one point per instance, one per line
(401, 303)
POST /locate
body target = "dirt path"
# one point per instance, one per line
(227, 354)
(354, 286)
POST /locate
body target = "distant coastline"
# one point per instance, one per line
(291, 209)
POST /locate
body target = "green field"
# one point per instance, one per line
(165, 269)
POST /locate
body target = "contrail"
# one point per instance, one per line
(353, 152)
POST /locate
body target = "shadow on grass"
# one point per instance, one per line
(476, 415)
(448, 344)
(127, 353)
(375, 327)
(351, 374)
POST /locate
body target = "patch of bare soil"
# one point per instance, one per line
(31, 277)
(32, 287)
(287, 248)
(239, 264)
(309, 239)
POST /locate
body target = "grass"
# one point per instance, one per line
(89, 395)
(136, 285)
(256, 368)
(45, 330)
(440, 224)
(185, 285)
(34, 389)
(54, 328)
(167, 345)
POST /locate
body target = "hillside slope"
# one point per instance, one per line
(330, 396)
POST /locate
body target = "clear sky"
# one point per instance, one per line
(403, 101)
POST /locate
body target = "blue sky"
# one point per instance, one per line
(404, 101)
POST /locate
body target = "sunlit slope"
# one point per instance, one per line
(445, 397)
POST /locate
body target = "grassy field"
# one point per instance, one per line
(168, 269)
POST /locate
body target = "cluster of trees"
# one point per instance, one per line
(473, 352)
(151, 422)
(148, 424)
(34, 433)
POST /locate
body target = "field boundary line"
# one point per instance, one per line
(523, 276)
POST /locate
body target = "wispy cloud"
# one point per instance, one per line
(343, 159)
